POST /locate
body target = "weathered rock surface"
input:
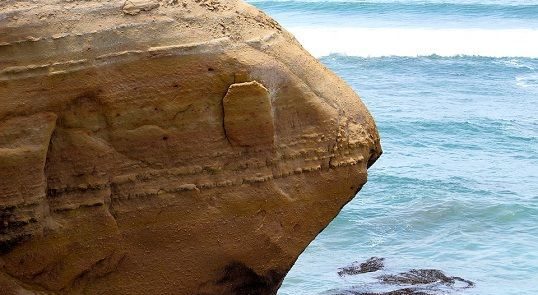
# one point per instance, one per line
(166, 147)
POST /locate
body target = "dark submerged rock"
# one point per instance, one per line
(412, 282)
(404, 291)
(421, 277)
(371, 265)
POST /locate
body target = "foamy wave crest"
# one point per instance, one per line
(376, 42)
(527, 81)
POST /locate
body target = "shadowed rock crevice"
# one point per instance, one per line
(8, 245)
(241, 280)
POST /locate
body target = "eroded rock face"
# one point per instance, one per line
(171, 147)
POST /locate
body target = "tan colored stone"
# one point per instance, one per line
(170, 147)
(134, 7)
(248, 115)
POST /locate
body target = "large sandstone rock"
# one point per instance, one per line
(166, 147)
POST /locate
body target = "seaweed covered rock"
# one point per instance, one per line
(172, 147)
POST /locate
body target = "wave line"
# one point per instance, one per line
(378, 42)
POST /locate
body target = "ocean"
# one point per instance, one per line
(453, 86)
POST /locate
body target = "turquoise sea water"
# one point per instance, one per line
(453, 86)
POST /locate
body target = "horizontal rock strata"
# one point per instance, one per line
(170, 147)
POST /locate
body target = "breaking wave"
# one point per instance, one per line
(377, 42)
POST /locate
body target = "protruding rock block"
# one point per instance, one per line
(171, 147)
(248, 115)
(24, 142)
(134, 7)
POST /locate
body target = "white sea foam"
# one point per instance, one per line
(515, 63)
(527, 81)
(375, 42)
